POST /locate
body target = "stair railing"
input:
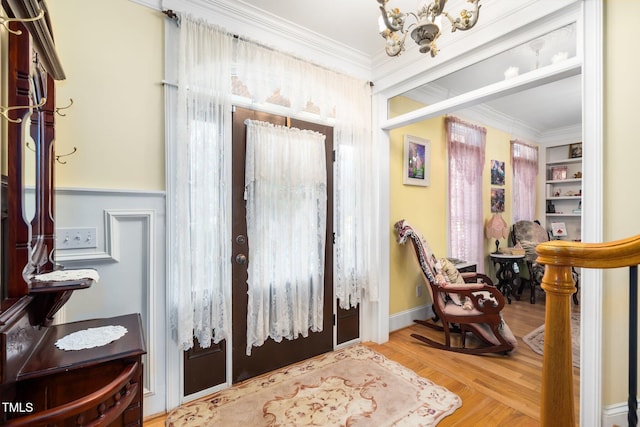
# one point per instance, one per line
(557, 406)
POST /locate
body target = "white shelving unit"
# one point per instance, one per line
(564, 191)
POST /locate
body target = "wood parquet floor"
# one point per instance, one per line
(495, 390)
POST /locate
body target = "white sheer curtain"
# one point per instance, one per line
(201, 274)
(356, 217)
(466, 148)
(524, 160)
(286, 192)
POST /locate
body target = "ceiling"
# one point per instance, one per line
(543, 110)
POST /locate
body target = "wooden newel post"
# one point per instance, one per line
(557, 407)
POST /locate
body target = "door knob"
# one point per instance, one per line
(241, 259)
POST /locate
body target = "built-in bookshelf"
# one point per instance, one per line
(564, 191)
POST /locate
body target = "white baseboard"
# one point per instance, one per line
(615, 415)
(405, 318)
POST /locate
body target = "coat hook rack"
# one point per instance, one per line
(65, 155)
(57, 156)
(4, 111)
(64, 108)
(4, 21)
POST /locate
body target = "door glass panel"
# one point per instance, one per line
(286, 187)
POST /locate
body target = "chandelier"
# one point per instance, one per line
(425, 31)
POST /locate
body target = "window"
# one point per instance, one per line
(466, 147)
(524, 160)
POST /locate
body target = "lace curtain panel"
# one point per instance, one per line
(199, 208)
(286, 192)
(524, 160)
(466, 147)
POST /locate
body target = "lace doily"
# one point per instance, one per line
(90, 338)
(67, 275)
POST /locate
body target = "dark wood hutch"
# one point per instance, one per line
(40, 384)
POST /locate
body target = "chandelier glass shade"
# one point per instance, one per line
(425, 29)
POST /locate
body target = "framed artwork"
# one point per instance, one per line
(558, 229)
(497, 200)
(416, 166)
(575, 150)
(558, 173)
(497, 172)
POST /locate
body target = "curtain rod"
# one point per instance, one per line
(176, 18)
(171, 14)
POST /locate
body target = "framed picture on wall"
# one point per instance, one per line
(497, 172)
(558, 173)
(497, 200)
(416, 166)
(575, 150)
(558, 229)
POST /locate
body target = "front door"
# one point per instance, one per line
(272, 355)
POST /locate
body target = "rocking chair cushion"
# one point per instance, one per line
(451, 271)
(459, 311)
(451, 277)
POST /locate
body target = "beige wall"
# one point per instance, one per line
(426, 207)
(621, 204)
(112, 52)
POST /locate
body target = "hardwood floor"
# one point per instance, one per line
(495, 390)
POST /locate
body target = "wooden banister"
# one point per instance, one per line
(557, 405)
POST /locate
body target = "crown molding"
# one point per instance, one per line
(489, 116)
(153, 4)
(565, 135)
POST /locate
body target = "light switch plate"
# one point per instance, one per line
(76, 238)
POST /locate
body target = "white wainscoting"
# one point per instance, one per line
(406, 318)
(130, 258)
(615, 415)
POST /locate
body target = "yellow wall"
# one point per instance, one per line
(621, 205)
(423, 207)
(112, 53)
(426, 207)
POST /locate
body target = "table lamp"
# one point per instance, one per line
(496, 228)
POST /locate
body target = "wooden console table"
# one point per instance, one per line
(79, 386)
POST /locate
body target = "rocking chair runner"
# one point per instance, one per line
(463, 305)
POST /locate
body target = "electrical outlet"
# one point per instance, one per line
(76, 238)
(418, 291)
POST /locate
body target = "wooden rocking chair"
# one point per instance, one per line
(469, 303)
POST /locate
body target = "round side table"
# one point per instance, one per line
(506, 271)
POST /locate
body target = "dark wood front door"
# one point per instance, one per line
(272, 355)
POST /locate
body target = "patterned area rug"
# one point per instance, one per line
(535, 339)
(355, 386)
